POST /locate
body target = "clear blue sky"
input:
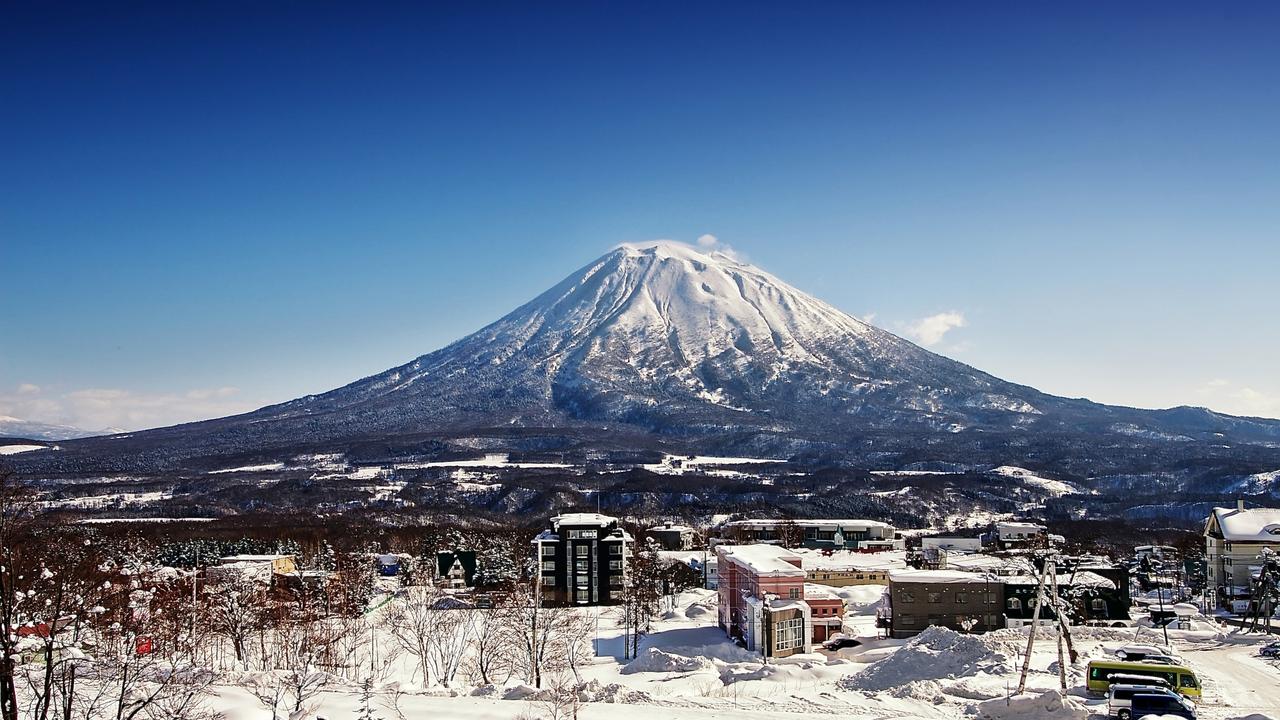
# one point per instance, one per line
(206, 210)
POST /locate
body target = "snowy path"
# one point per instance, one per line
(1236, 680)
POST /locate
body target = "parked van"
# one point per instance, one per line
(1179, 678)
(1120, 697)
(1144, 704)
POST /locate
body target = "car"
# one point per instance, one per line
(1136, 653)
(1270, 650)
(838, 642)
(1120, 697)
(1144, 704)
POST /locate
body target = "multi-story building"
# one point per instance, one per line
(1233, 539)
(1011, 534)
(673, 537)
(965, 601)
(762, 599)
(1088, 595)
(582, 560)
(850, 534)
(841, 568)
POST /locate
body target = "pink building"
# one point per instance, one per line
(763, 600)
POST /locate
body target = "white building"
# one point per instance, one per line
(1233, 539)
(961, 544)
(1018, 533)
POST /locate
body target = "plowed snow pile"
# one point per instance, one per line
(1051, 705)
(935, 654)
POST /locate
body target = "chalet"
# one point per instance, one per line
(260, 568)
(456, 569)
(1233, 540)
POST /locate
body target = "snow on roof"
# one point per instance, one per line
(573, 519)
(671, 528)
(814, 591)
(1251, 525)
(975, 561)
(1017, 524)
(1084, 578)
(942, 577)
(763, 559)
(812, 522)
(251, 558)
(852, 560)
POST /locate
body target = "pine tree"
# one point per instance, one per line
(365, 712)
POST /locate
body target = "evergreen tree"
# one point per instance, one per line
(365, 712)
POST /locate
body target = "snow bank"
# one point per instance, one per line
(655, 660)
(15, 449)
(935, 654)
(1051, 705)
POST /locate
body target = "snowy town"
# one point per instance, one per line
(767, 617)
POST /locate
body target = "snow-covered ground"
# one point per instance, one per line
(15, 449)
(688, 670)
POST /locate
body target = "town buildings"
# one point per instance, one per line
(582, 560)
(762, 599)
(963, 601)
(809, 533)
(1233, 539)
(673, 537)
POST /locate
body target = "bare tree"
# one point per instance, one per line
(428, 626)
(537, 634)
(491, 646)
(18, 520)
(238, 610)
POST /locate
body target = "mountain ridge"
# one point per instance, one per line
(662, 345)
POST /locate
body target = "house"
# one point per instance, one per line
(963, 601)
(826, 611)
(1233, 539)
(261, 568)
(582, 560)
(673, 537)
(949, 543)
(388, 565)
(849, 534)
(456, 568)
(1090, 597)
(1011, 534)
(700, 561)
(762, 599)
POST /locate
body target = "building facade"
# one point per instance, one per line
(673, 537)
(582, 560)
(846, 534)
(1233, 539)
(963, 601)
(762, 599)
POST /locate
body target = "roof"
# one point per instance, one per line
(763, 559)
(667, 527)
(591, 519)
(1251, 525)
(853, 560)
(939, 577)
(814, 591)
(1019, 525)
(251, 558)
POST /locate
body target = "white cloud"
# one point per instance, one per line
(708, 240)
(1231, 397)
(931, 330)
(102, 408)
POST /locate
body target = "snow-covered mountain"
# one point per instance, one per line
(12, 427)
(666, 345)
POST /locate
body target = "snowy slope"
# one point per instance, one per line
(664, 346)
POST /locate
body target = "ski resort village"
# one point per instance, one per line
(584, 614)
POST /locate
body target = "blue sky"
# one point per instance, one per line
(203, 210)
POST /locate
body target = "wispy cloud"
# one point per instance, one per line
(102, 408)
(1237, 399)
(930, 331)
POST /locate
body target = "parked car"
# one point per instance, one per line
(1270, 650)
(838, 641)
(1137, 653)
(1120, 697)
(1144, 704)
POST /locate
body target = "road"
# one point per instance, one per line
(1236, 681)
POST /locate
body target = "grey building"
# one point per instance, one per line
(968, 602)
(582, 560)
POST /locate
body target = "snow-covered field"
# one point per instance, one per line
(688, 670)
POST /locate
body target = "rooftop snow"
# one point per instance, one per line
(573, 519)
(814, 522)
(1251, 525)
(941, 577)
(763, 559)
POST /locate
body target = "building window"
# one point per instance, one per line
(615, 549)
(615, 581)
(548, 580)
(906, 620)
(788, 634)
(793, 593)
(1015, 604)
(583, 596)
(992, 599)
(581, 550)
(548, 551)
(548, 566)
(615, 564)
(1098, 605)
(935, 597)
(907, 597)
(615, 594)
(962, 598)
